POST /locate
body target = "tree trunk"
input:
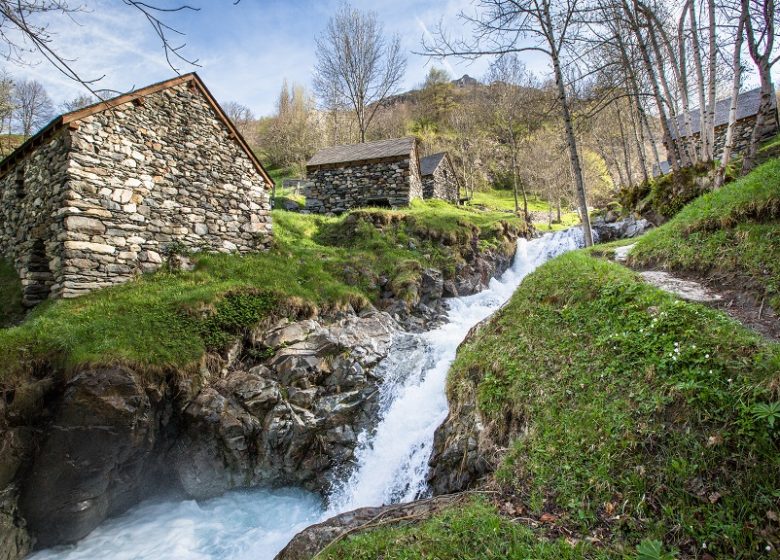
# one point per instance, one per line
(675, 125)
(684, 86)
(711, 77)
(626, 154)
(764, 66)
(706, 149)
(736, 67)
(574, 157)
(671, 144)
(762, 118)
(639, 138)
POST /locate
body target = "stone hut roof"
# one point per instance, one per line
(71, 120)
(748, 103)
(429, 163)
(367, 151)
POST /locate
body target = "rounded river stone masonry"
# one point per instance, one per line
(100, 194)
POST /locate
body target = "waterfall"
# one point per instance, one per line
(391, 461)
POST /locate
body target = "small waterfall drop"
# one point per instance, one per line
(392, 460)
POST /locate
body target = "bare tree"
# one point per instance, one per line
(34, 107)
(294, 133)
(549, 27)
(736, 64)
(25, 29)
(760, 27)
(242, 116)
(510, 95)
(78, 102)
(357, 64)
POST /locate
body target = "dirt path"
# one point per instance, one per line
(739, 304)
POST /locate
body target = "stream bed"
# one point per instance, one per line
(392, 460)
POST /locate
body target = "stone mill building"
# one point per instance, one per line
(100, 194)
(438, 177)
(381, 173)
(748, 104)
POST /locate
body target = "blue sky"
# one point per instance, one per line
(245, 50)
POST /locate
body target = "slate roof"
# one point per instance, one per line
(747, 105)
(429, 164)
(661, 168)
(349, 153)
(74, 116)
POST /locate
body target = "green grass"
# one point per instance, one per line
(11, 310)
(733, 232)
(503, 200)
(628, 410)
(470, 532)
(166, 322)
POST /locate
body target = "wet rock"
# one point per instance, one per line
(90, 463)
(463, 449)
(292, 419)
(15, 541)
(611, 231)
(431, 285)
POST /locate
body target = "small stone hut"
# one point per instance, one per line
(748, 104)
(101, 193)
(381, 173)
(438, 177)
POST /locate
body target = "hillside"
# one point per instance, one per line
(618, 421)
(168, 321)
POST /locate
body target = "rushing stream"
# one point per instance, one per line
(391, 461)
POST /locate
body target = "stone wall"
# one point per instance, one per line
(338, 188)
(442, 183)
(137, 181)
(32, 196)
(743, 130)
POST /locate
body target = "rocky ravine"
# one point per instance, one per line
(283, 406)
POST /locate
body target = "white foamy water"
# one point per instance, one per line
(392, 460)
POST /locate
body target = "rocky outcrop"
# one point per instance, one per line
(97, 454)
(292, 419)
(312, 540)
(611, 229)
(284, 407)
(463, 449)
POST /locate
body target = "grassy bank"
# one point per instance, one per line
(732, 233)
(639, 413)
(504, 200)
(628, 417)
(167, 321)
(471, 532)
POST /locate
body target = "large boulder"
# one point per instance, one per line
(91, 462)
(293, 418)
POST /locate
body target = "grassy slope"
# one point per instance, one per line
(504, 200)
(628, 414)
(474, 531)
(167, 321)
(734, 232)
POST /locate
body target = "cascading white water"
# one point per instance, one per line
(392, 460)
